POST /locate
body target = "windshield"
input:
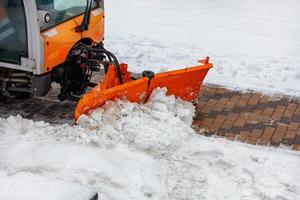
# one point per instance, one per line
(62, 10)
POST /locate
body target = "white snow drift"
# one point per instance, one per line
(131, 151)
(26, 185)
(253, 44)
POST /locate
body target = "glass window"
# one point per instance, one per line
(62, 10)
(13, 31)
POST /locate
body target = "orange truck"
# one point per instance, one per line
(46, 41)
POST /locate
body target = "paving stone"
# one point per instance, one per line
(199, 116)
(264, 99)
(294, 126)
(266, 136)
(211, 91)
(261, 106)
(225, 112)
(296, 118)
(220, 104)
(217, 124)
(222, 132)
(298, 132)
(255, 133)
(249, 127)
(237, 109)
(207, 123)
(249, 108)
(243, 137)
(230, 120)
(289, 137)
(254, 99)
(244, 100)
(217, 95)
(296, 147)
(268, 111)
(200, 105)
(221, 90)
(196, 123)
(263, 142)
(228, 94)
(236, 129)
(254, 136)
(290, 109)
(255, 116)
(272, 104)
(285, 120)
(297, 139)
(230, 136)
(232, 102)
(209, 105)
(279, 134)
(284, 101)
(242, 119)
(269, 132)
(278, 112)
(297, 112)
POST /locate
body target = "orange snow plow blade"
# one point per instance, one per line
(183, 83)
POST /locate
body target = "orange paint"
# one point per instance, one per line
(59, 40)
(184, 83)
(110, 89)
(96, 27)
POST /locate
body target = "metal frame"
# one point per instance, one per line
(35, 61)
(36, 47)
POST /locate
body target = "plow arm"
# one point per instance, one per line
(183, 83)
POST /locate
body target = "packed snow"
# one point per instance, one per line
(26, 185)
(253, 44)
(131, 151)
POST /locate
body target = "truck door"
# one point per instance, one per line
(13, 32)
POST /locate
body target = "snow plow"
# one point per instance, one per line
(184, 83)
(46, 41)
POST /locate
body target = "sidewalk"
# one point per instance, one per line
(248, 117)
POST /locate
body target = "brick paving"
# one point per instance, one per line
(50, 111)
(248, 117)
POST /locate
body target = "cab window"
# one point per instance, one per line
(13, 31)
(63, 10)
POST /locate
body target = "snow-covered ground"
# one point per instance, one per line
(131, 151)
(253, 44)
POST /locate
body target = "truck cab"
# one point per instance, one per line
(36, 37)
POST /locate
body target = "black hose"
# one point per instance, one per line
(110, 56)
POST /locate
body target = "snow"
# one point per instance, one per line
(253, 44)
(23, 185)
(132, 151)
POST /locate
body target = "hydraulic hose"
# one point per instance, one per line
(110, 56)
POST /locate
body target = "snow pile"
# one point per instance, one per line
(253, 44)
(133, 151)
(162, 123)
(23, 186)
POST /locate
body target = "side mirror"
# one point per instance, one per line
(44, 17)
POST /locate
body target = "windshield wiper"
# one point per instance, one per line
(87, 17)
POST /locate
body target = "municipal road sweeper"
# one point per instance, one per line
(45, 41)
